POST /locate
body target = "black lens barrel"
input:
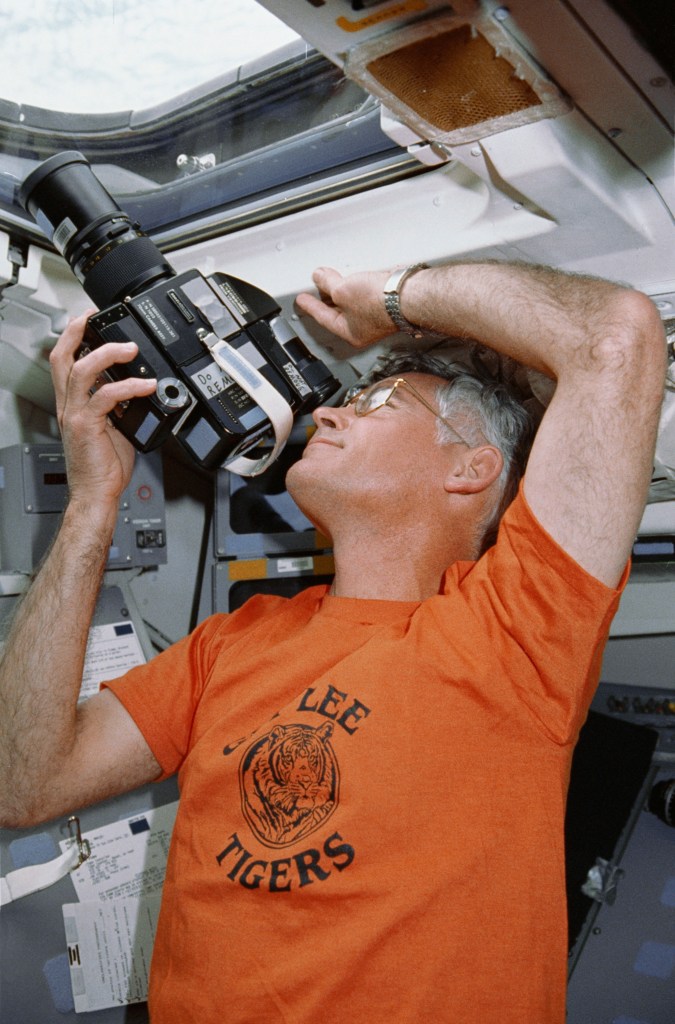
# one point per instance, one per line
(73, 192)
(109, 255)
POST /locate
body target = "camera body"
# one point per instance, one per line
(197, 400)
(231, 373)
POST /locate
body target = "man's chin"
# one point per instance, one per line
(305, 488)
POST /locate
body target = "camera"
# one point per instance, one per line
(231, 373)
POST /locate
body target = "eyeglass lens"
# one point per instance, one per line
(372, 398)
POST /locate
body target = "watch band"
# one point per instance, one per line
(392, 300)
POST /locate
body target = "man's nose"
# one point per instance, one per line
(336, 417)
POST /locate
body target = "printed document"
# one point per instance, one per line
(110, 932)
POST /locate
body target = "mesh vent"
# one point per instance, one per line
(453, 80)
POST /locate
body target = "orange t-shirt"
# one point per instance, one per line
(370, 826)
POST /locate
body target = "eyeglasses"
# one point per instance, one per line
(381, 393)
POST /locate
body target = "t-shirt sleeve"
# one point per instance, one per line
(162, 695)
(546, 617)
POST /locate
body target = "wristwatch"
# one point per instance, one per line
(392, 302)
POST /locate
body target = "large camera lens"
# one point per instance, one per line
(110, 256)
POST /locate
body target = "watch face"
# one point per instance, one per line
(398, 277)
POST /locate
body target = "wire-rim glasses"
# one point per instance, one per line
(379, 394)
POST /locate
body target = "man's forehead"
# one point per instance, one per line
(425, 382)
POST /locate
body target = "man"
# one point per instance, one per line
(373, 779)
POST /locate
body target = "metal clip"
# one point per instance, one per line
(602, 881)
(83, 847)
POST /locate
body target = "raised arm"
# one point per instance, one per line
(54, 756)
(603, 344)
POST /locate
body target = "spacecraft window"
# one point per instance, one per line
(270, 125)
(96, 56)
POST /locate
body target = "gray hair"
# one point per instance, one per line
(485, 406)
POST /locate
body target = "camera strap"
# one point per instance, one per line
(275, 407)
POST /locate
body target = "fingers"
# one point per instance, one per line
(62, 356)
(109, 395)
(99, 458)
(322, 309)
(325, 315)
(327, 282)
(350, 307)
(85, 372)
(327, 279)
(91, 398)
(326, 310)
(80, 384)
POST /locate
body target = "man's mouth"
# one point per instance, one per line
(323, 440)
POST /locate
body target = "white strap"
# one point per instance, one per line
(274, 405)
(35, 877)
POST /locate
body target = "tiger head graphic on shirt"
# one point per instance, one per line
(289, 782)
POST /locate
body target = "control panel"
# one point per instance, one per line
(34, 493)
(642, 705)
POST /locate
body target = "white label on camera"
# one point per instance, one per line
(63, 234)
(211, 380)
(297, 378)
(232, 298)
(156, 320)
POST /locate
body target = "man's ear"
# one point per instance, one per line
(474, 470)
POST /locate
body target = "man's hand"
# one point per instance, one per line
(99, 458)
(351, 307)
